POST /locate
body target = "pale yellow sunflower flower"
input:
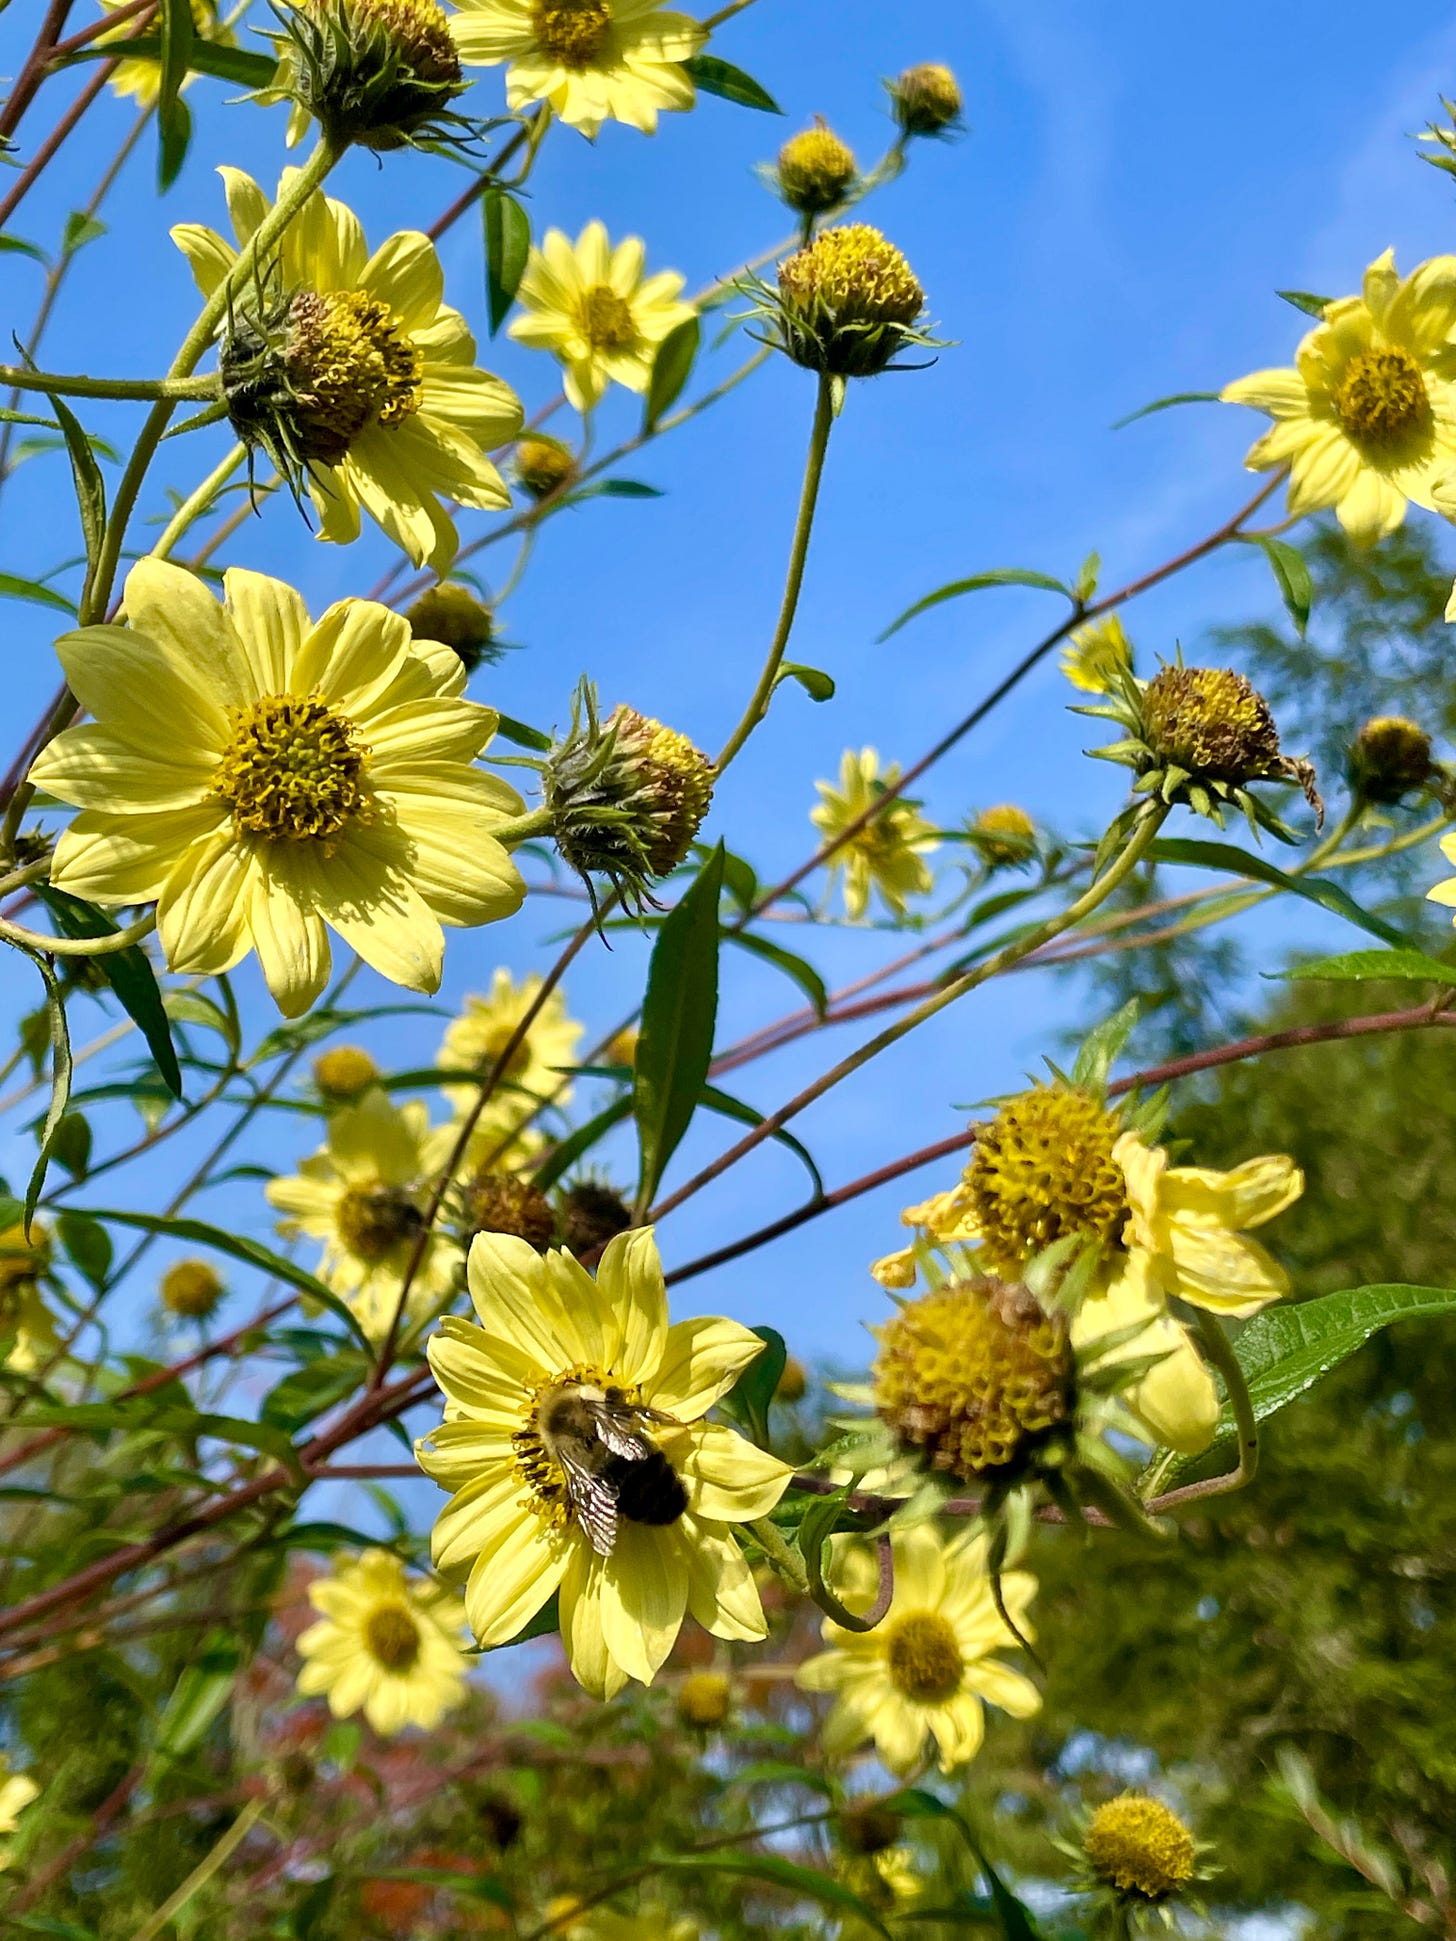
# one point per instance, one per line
(475, 1039)
(1445, 892)
(1366, 419)
(385, 1644)
(141, 81)
(264, 778)
(927, 1671)
(23, 1312)
(590, 60)
(392, 362)
(1190, 1222)
(578, 1460)
(17, 1790)
(1096, 655)
(595, 310)
(885, 855)
(364, 1195)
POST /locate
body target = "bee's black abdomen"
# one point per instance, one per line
(650, 1491)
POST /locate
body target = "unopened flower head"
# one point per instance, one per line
(704, 1699)
(976, 1377)
(506, 1203)
(847, 303)
(793, 1383)
(626, 795)
(385, 1644)
(595, 308)
(542, 465)
(590, 60)
(315, 775)
(592, 1214)
(191, 1288)
(1201, 736)
(1097, 655)
(920, 1680)
(1004, 835)
(453, 614)
(1139, 1848)
(890, 839)
(1390, 759)
(815, 170)
(1041, 1170)
(577, 1459)
(382, 73)
(1365, 422)
(344, 1072)
(927, 99)
(353, 376)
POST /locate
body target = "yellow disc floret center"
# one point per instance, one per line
(1044, 1169)
(1140, 1847)
(924, 1657)
(1382, 396)
(539, 1450)
(606, 320)
(372, 1220)
(353, 364)
(293, 770)
(392, 1637)
(572, 31)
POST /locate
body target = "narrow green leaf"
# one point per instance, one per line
(17, 246)
(1102, 1047)
(522, 735)
(1002, 576)
(564, 1156)
(672, 366)
(751, 1394)
(507, 249)
(60, 1040)
(1166, 404)
(209, 57)
(679, 1016)
(612, 489)
(129, 973)
(774, 1871)
(198, 1697)
(90, 488)
(142, 1413)
(1312, 306)
(818, 685)
(713, 76)
(80, 229)
(1291, 575)
(732, 1108)
(237, 1247)
(309, 1390)
(174, 135)
(1314, 889)
(1285, 1351)
(42, 596)
(87, 1246)
(804, 975)
(1408, 966)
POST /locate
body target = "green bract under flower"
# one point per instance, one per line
(381, 73)
(846, 304)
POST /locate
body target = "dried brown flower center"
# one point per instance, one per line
(352, 364)
(293, 769)
(372, 1220)
(924, 1658)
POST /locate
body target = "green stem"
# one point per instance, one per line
(241, 1827)
(198, 503)
(798, 554)
(16, 933)
(1220, 1351)
(19, 379)
(521, 828)
(770, 1540)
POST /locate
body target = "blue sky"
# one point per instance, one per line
(1137, 182)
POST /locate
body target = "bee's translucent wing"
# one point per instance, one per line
(615, 1427)
(594, 1500)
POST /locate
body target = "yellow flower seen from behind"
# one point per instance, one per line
(594, 307)
(389, 413)
(265, 778)
(590, 60)
(24, 1316)
(364, 1196)
(887, 854)
(1366, 419)
(925, 1673)
(385, 1644)
(578, 1459)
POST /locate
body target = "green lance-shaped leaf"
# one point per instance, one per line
(1166, 404)
(818, 685)
(1001, 576)
(507, 248)
(90, 487)
(1102, 1047)
(129, 973)
(211, 57)
(713, 76)
(1313, 889)
(1291, 576)
(1016, 1923)
(198, 1697)
(1289, 1348)
(173, 126)
(12, 588)
(60, 1039)
(804, 974)
(750, 1395)
(679, 1016)
(671, 368)
(1305, 300)
(1362, 966)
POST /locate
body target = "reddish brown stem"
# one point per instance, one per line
(35, 68)
(31, 173)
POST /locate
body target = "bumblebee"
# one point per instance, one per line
(612, 1469)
